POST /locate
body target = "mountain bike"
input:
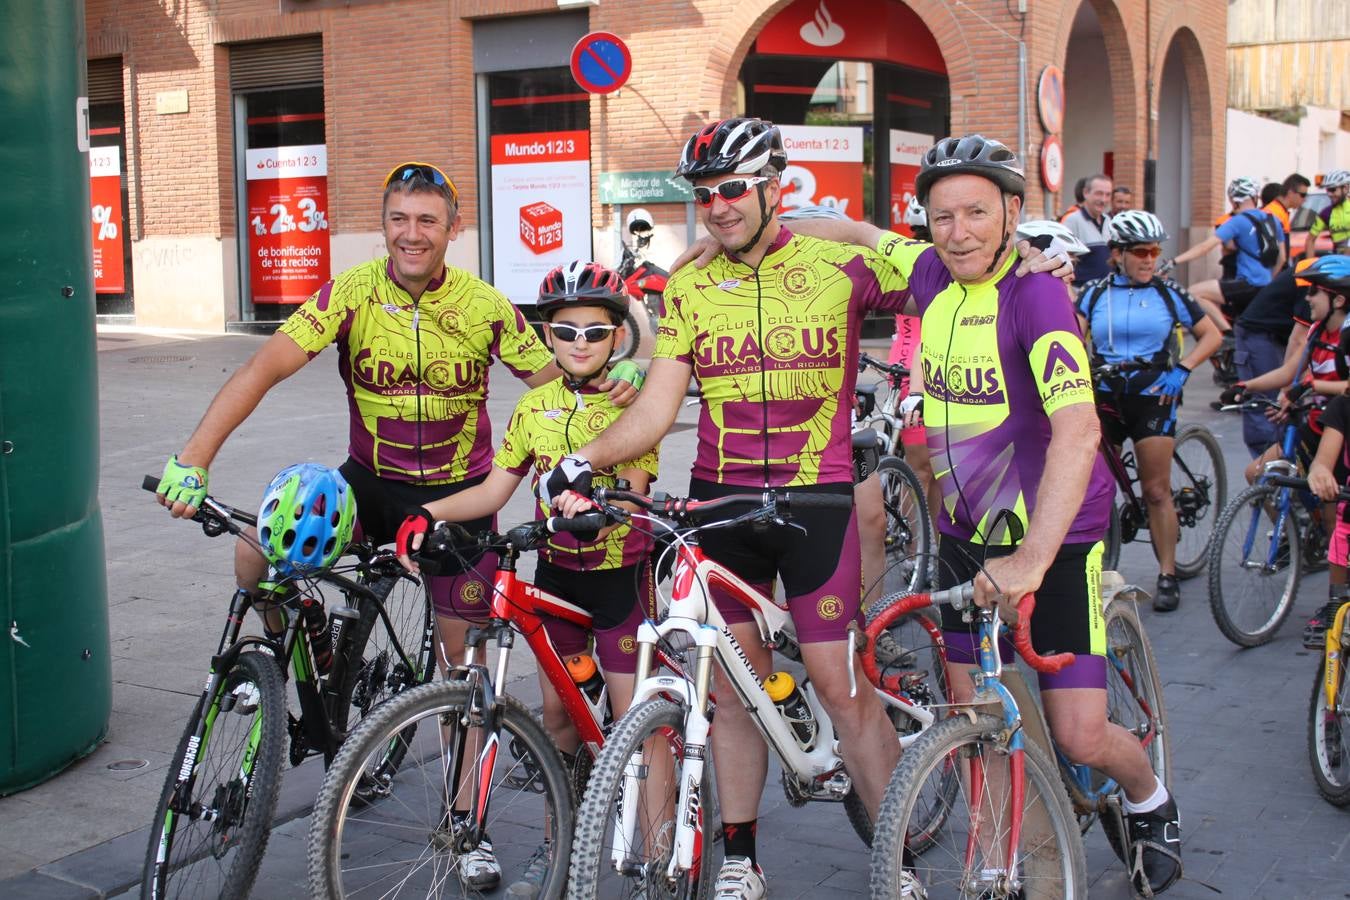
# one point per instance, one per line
(1199, 486)
(619, 853)
(1011, 832)
(473, 749)
(214, 816)
(1263, 541)
(1329, 712)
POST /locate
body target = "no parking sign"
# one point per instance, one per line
(601, 62)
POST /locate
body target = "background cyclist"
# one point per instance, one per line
(1336, 217)
(1132, 316)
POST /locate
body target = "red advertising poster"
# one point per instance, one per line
(541, 207)
(825, 168)
(853, 29)
(907, 150)
(105, 208)
(287, 222)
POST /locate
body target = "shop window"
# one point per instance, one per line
(108, 199)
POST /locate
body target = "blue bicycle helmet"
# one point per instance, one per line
(306, 518)
(1330, 272)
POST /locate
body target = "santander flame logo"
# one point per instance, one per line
(822, 30)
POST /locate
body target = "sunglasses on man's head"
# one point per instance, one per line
(425, 171)
(1144, 252)
(731, 190)
(593, 334)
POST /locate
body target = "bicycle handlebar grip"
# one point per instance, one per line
(590, 521)
(819, 501)
(1048, 665)
(1288, 481)
(150, 483)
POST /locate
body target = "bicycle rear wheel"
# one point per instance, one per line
(632, 338)
(405, 845)
(969, 857)
(1253, 571)
(211, 828)
(385, 659)
(1329, 733)
(1199, 492)
(639, 770)
(908, 526)
(1114, 539)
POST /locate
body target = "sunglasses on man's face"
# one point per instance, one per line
(593, 334)
(1144, 252)
(730, 191)
(1301, 193)
(426, 172)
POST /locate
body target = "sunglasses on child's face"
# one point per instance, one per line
(1144, 252)
(731, 190)
(593, 334)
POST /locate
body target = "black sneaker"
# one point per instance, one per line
(1155, 848)
(1314, 633)
(1168, 595)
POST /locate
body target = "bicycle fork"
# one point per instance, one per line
(1331, 678)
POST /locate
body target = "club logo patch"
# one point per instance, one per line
(830, 608)
(471, 593)
(450, 320)
(627, 645)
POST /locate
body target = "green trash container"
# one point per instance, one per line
(55, 671)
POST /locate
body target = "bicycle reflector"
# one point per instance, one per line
(306, 519)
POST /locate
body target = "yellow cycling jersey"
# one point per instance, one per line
(999, 358)
(550, 422)
(417, 372)
(775, 351)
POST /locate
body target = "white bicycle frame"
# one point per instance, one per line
(692, 612)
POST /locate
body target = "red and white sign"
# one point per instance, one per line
(1052, 164)
(1050, 99)
(825, 168)
(907, 150)
(105, 209)
(287, 222)
(541, 207)
(853, 29)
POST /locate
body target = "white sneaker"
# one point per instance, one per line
(910, 889)
(479, 869)
(739, 879)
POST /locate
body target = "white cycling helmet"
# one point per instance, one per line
(1243, 188)
(1051, 237)
(811, 211)
(638, 221)
(1135, 226)
(1335, 178)
(915, 215)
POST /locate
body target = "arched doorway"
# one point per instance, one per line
(851, 82)
(1182, 149)
(1089, 108)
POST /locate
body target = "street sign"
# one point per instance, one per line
(655, 186)
(601, 62)
(1050, 99)
(1052, 164)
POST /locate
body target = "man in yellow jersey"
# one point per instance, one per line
(415, 338)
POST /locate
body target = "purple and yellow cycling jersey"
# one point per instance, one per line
(999, 358)
(775, 352)
(550, 422)
(417, 373)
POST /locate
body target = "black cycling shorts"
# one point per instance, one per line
(1138, 416)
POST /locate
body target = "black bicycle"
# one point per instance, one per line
(374, 641)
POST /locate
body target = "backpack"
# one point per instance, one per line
(1267, 236)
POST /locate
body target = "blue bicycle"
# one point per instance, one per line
(1264, 540)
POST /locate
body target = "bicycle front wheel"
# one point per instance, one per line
(1253, 570)
(385, 659)
(908, 526)
(409, 842)
(638, 773)
(1329, 735)
(215, 813)
(970, 858)
(1199, 492)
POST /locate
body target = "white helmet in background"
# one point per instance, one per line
(639, 221)
(915, 215)
(1050, 237)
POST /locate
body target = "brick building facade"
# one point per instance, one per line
(374, 83)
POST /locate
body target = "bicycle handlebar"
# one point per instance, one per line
(1301, 484)
(685, 509)
(895, 370)
(211, 513)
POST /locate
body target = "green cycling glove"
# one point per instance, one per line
(629, 371)
(183, 484)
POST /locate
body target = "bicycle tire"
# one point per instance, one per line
(220, 856)
(632, 338)
(1210, 484)
(1114, 539)
(590, 875)
(909, 528)
(1134, 696)
(1239, 581)
(397, 846)
(375, 671)
(1051, 850)
(1329, 736)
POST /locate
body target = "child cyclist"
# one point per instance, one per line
(582, 305)
(1330, 469)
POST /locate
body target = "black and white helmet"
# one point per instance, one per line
(639, 221)
(740, 146)
(972, 154)
(1135, 226)
(1335, 178)
(1243, 188)
(1051, 237)
(581, 283)
(915, 215)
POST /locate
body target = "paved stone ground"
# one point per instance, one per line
(1254, 824)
